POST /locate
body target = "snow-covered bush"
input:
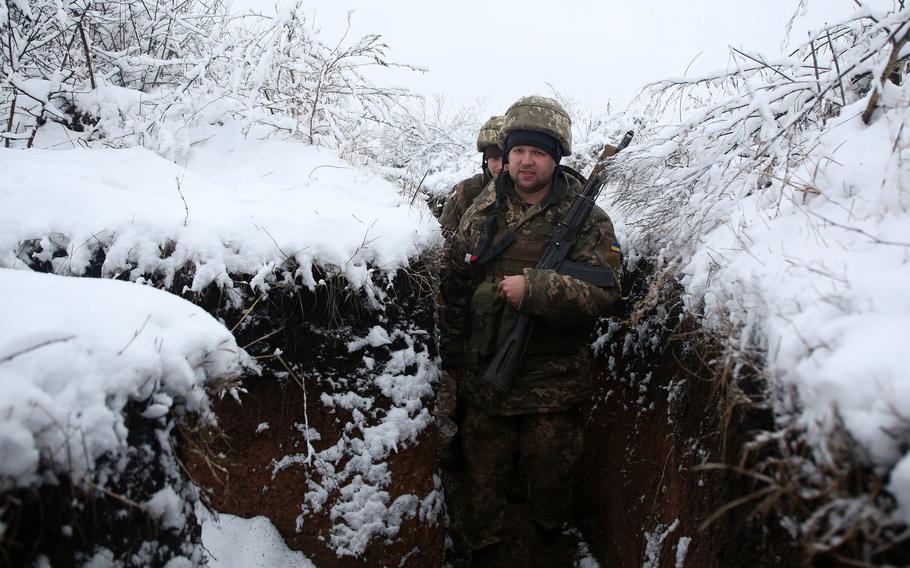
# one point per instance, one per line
(55, 55)
(426, 147)
(594, 129)
(777, 194)
(152, 73)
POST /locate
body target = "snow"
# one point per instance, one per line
(823, 279)
(262, 209)
(789, 228)
(235, 542)
(167, 507)
(654, 541)
(277, 202)
(682, 549)
(812, 269)
(363, 509)
(75, 351)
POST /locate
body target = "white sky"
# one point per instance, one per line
(590, 51)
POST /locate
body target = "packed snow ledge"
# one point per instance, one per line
(239, 205)
(75, 351)
(242, 214)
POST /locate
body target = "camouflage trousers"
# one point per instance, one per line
(548, 446)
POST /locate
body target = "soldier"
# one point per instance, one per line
(538, 417)
(464, 192)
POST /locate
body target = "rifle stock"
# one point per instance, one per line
(504, 364)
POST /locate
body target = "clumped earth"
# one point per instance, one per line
(664, 478)
(310, 331)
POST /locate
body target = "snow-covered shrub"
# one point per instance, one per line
(594, 129)
(152, 73)
(317, 91)
(426, 147)
(777, 194)
(55, 55)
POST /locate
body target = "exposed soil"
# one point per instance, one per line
(656, 464)
(65, 524)
(245, 486)
(235, 463)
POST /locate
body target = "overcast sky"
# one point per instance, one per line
(593, 52)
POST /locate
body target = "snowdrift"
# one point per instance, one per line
(775, 194)
(313, 266)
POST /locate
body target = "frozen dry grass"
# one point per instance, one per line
(758, 145)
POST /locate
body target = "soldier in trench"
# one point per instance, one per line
(460, 198)
(484, 289)
(465, 191)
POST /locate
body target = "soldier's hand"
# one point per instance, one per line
(512, 288)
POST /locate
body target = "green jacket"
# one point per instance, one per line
(555, 372)
(460, 198)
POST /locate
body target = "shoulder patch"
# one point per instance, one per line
(615, 247)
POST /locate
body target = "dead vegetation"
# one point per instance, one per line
(752, 136)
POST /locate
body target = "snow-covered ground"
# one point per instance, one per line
(781, 202)
(234, 542)
(73, 351)
(239, 205)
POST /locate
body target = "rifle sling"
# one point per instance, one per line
(495, 249)
(597, 275)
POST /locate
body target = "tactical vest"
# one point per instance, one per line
(492, 317)
(473, 186)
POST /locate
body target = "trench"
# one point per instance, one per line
(657, 480)
(664, 478)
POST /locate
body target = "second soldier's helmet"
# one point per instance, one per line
(489, 133)
(540, 114)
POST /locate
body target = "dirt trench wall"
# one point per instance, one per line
(343, 466)
(685, 463)
(334, 442)
(662, 429)
(70, 522)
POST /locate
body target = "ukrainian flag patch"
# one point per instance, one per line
(615, 247)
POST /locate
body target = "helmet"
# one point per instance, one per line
(489, 133)
(541, 114)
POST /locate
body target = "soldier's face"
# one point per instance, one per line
(530, 168)
(494, 165)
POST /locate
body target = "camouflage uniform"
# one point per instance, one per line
(465, 191)
(460, 198)
(538, 415)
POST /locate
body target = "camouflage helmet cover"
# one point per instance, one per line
(540, 114)
(489, 133)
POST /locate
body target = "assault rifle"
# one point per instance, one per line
(502, 368)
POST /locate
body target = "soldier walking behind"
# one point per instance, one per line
(484, 289)
(465, 191)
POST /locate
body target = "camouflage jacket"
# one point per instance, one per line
(555, 372)
(460, 198)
